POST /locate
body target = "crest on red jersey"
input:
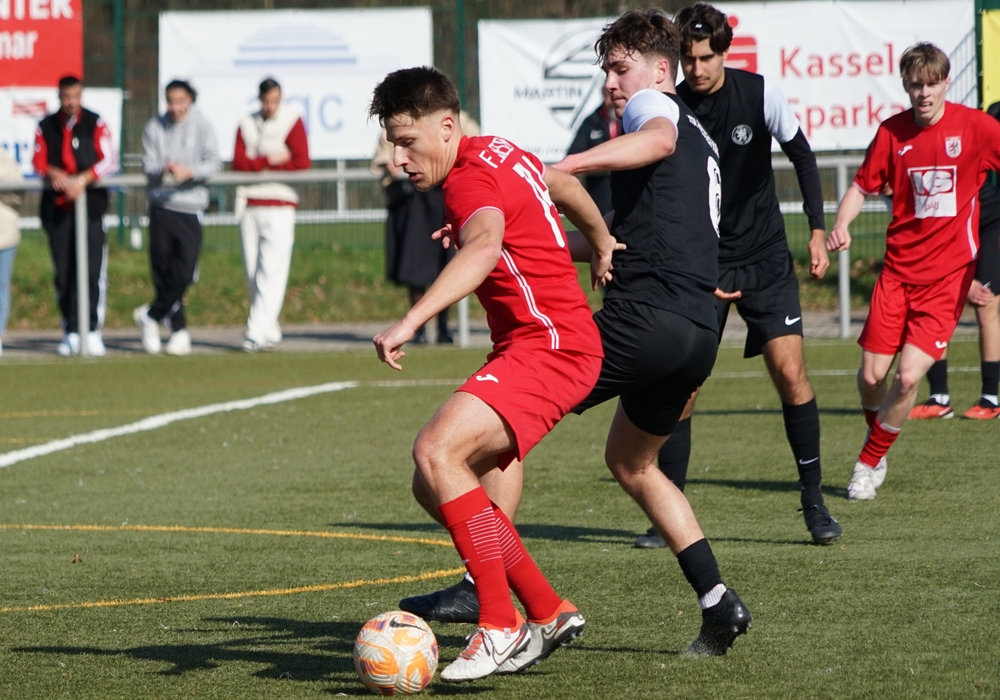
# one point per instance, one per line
(953, 146)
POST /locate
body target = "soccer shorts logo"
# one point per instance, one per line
(934, 191)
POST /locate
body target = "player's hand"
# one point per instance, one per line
(389, 342)
(819, 260)
(980, 294)
(444, 235)
(279, 158)
(727, 296)
(838, 240)
(600, 265)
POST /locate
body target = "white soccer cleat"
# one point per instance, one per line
(861, 488)
(70, 345)
(148, 329)
(179, 343)
(545, 639)
(878, 473)
(487, 651)
(95, 344)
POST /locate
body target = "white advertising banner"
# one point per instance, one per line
(327, 62)
(836, 62)
(22, 108)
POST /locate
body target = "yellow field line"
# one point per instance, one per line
(442, 573)
(234, 531)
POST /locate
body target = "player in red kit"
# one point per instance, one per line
(514, 254)
(935, 157)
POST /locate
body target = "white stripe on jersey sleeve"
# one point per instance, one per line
(778, 115)
(645, 105)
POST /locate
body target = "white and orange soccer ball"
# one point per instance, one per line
(396, 653)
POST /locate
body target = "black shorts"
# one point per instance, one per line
(988, 265)
(654, 360)
(770, 302)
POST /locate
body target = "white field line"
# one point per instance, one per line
(164, 419)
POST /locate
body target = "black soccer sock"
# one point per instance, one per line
(676, 453)
(802, 429)
(700, 567)
(937, 375)
(991, 378)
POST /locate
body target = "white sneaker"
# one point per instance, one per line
(861, 487)
(148, 329)
(487, 651)
(95, 344)
(545, 639)
(878, 473)
(70, 345)
(179, 343)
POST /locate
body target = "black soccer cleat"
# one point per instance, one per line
(458, 603)
(721, 624)
(822, 526)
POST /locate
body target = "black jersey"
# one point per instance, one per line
(667, 215)
(752, 227)
(593, 132)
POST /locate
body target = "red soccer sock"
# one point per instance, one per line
(525, 579)
(880, 439)
(871, 417)
(469, 519)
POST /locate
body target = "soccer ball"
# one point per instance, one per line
(395, 653)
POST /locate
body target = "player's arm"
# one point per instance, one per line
(850, 206)
(784, 126)
(654, 141)
(481, 240)
(598, 244)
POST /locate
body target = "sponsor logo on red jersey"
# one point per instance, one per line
(934, 191)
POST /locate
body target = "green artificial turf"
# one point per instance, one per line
(905, 605)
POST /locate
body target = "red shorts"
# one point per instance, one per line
(532, 388)
(923, 315)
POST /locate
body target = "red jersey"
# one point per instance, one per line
(533, 294)
(935, 174)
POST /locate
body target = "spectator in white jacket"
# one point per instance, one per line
(271, 139)
(10, 234)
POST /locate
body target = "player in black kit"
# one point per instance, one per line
(742, 112)
(658, 325)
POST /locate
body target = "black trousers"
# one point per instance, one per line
(60, 225)
(174, 246)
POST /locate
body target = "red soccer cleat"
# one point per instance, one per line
(931, 409)
(983, 410)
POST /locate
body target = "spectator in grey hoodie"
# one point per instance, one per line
(180, 153)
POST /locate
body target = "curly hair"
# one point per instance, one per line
(702, 21)
(647, 33)
(414, 92)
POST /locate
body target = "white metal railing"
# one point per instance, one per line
(843, 165)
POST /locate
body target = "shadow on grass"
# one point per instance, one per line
(258, 641)
(779, 486)
(774, 411)
(556, 533)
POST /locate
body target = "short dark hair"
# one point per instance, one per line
(649, 33)
(415, 92)
(266, 85)
(181, 85)
(702, 21)
(68, 81)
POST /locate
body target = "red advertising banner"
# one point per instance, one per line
(40, 41)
